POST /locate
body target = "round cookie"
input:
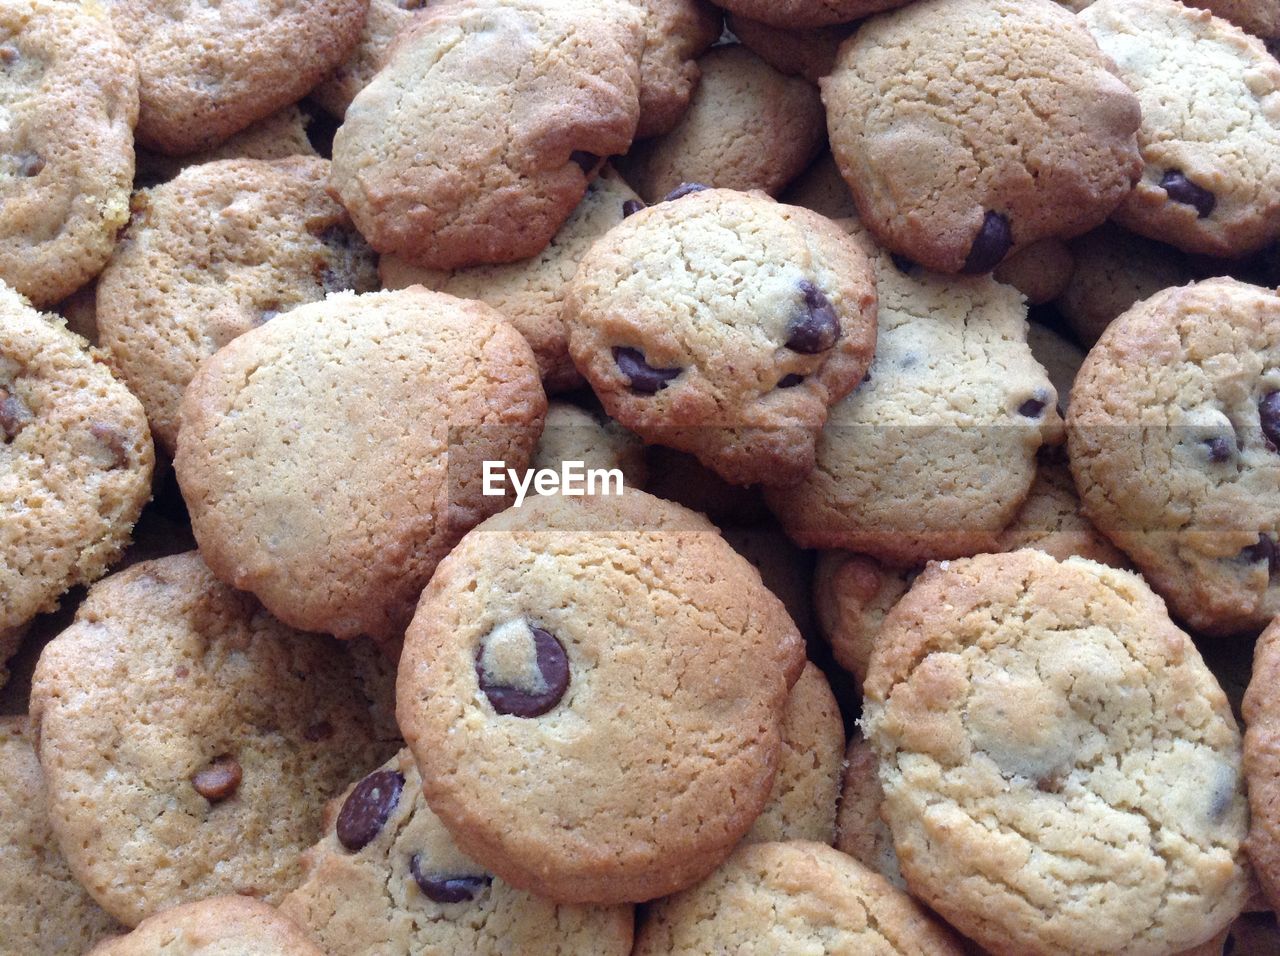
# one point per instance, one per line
(934, 452)
(190, 741)
(221, 249)
(577, 665)
(478, 138)
(1262, 762)
(852, 593)
(1210, 96)
(1061, 771)
(1173, 431)
(221, 926)
(387, 879)
(75, 462)
(862, 832)
(530, 293)
(303, 490)
(724, 324)
(208, 71)
(69, 93)
(809, 53)
(801, 14)
(968, 129)
(573, 434)
(794, 897)
(676, 33)
(1039, 271)
(42, 908)
(748, 127)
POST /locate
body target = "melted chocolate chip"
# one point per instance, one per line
(1180, 189)
(684, 189)
(553, 665)
(14, 415)
(585, 161)
(814, 327)
(631, 207)
(29, 164)
(1031, 408)
(411, 4)
(443, 888)
(112, 439)
(990, 245)
(1264, 550)
(1269, 419)
(790, 381)
(642, 376)
(1219, 449)
(902, 263)
(219, 780)
(364, 813)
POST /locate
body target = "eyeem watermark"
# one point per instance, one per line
(574, 479)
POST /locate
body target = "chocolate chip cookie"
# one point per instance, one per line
(810, 53)
(793, 14)
(676, 34)
(1262, 762)
(212, 927)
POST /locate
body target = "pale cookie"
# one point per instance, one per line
(1039, 271)
(75, 462)
(934, 452)
(69, 97)
(748, 127)
(793, 14)
(1210, 96)
(42, 908)
(387, 879)
(809, 53)
(1259, 17)
(206, 71)
(220, 926)
(594, 691)
(1062, 774)
(190, 741)
(584, 440)
(798, 897)
(1261, 712)
(478, 138)
(971, 128)
(1174, 431)
(530, 293)
(724, 324)
(863, 834)
(221, 249)
(852, 593)
(333, 456)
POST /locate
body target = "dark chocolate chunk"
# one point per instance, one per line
(814, 327)
(1220, 449)
(642, 376)
(684, 189)
(443, 888)
(364, 813)
(1181, 189)
(585, 161)
(553, 664)
(990, 245)
(1269, 419)
(631, 207)
(1032, 408)
(790, 381)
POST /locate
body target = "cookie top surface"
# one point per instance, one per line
(69, 91)
(398, 885)
(220, 926)
(1262, 761)
(42, 908)
(1173, 432)
(211, 773)
(1110, 814)
(724, 324)
(676, 33)
(385, 20)
(792, 898)
(304, 491)
(478, 138)
(967, 128)
(75, 462)
(208, 71)
(577, 664)
(215, 252)
(933, 453)
(530, 293)
(1210, 96)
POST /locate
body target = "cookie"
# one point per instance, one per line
(478, 138)
(809, 53)
(1173, 428)
(797, 897)
(822, 189)
(862, 833)
(1061, 772)
(1209, 120)
(934, 452)
(1261, 759)
(42, 908)
(204, 73)
(577, 664)
(1039, 271)
(387, 878)
(209, 773)
(70, 98)
(304, 491)
(1113, 270)
(748, 127)
(591, 440)
(1259, 17)
(75, 462)
(384, 22)
(676, 34)
(724, 324)
(212, 927)
(802, 14)
(530, 293)
(1059, 356)
(852, 593)
(968, 129)
(221, 249)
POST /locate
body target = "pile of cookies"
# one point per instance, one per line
(927, 356)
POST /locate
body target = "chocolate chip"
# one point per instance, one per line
(29, 164)
(790, 381)
(1180, 189)
(684, 189)
(446, 889)
(642, 376)
(112, 439)
(814, 327)
(364, 813)
(553, 665)
(631, 207)
(1269, 418)
(1220, 449)
(318, 732)
(1264, 550)
(902, 263)
(990, 245)
(8, 54)
(219, 780)
(14, 415)
(1031, 408)
(411, 4)
(586, 161)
